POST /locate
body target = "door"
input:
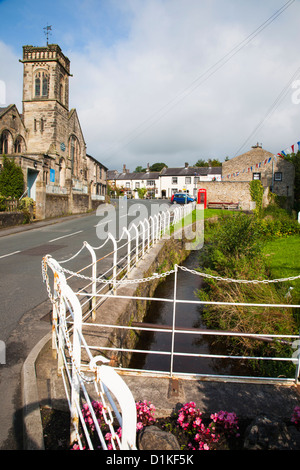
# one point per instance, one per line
(31, 183)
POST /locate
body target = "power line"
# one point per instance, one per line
(201, 78)
(275, 104)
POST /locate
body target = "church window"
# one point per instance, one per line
(19, 145)
(37, 85)
(41, 84)
(74, 155)
(4, 143)
(45, 85)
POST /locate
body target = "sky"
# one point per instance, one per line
(168, 81)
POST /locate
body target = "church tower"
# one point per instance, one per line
(46, 98)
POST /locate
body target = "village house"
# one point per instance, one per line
(275, 173)
(46, 140)
(164, 183)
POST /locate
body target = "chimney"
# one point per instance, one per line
(124, 168)
(148, 168)
(186, 165)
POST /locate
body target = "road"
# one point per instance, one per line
(25, 305)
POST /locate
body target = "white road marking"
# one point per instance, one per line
(64, 236)
(10, 254)
(98, 225)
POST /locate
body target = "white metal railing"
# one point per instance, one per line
(71, 311)
(76, 361)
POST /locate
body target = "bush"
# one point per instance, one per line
(234, 251)
(257, 192)
(11, 179)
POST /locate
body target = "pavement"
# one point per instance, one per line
(43, 387)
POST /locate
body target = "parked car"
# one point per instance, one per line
(181, 198)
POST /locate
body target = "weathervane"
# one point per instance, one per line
(47, 30)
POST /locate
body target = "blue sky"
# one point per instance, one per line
(167, 80)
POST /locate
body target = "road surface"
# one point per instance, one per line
(25, 305)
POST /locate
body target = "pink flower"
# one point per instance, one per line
(139, 426)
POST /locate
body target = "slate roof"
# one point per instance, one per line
(192, 171)
(154, 175)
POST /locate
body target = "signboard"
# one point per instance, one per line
(52, 176)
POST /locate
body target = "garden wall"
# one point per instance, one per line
(9, 219)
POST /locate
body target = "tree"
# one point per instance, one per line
(11, 179)
(158, 166)
(139, 169)
(201, 162)
(210, 162)
(294, 158)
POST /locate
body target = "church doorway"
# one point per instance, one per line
(31, 183)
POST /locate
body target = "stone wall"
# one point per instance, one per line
(56, 205)
(228, 191)
(9, 219)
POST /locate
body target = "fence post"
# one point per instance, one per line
(115, 257)
(128, 248)
(151, 221)
(94, 277)
(73, 302)
(136, 243)
(148, 231)
(143, 238)
(155, 226)
(297, 372)
(174, 319)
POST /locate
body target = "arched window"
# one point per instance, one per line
(74, 151)
(5, 143)
(19, 145)
(45, 84)
(37, 84)
(41, 84)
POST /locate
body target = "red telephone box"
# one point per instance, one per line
(202, 197)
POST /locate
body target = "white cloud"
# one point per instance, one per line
(140, 96)
(12, 75)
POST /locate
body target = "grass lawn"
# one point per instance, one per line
(283, 260)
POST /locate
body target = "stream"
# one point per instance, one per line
(187, 316)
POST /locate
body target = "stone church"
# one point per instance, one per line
(46, 140)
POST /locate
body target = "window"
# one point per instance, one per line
(4, 142)
(174, 180)
(188, 180)
(19, 145)
(74, 153)
(256, 176)
(278, 176)
(45, 85)
(137, 185)
(127, 185)
(41, 84)
(150, 183)
(196, 179)
(37, 86)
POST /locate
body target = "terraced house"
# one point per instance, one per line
(47, 141)
(164, 183)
